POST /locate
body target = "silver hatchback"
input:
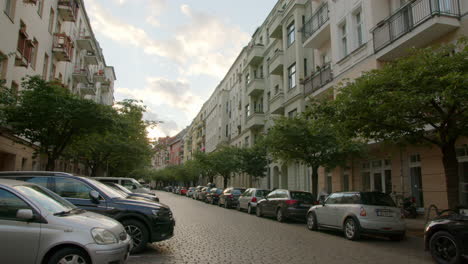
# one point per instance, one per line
(38, 226)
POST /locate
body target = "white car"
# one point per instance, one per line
(248, 200)
(357, 213)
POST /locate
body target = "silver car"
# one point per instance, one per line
(38, 226)
(248, 200)
(357, 213)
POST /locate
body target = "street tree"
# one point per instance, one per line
(49, 115)
(313, 141)
(205, 165)
(253, 160)
(225, 162)
(421, 98)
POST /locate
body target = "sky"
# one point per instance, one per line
(171, 54)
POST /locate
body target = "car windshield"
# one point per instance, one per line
(49, 201)
(261, 193)
(117, 188)
(123, 188)
(303, 196)
(238, 191)
(136, 183)
(112, 193)
(379, 199)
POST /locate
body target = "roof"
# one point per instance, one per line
(45, 173)
(11, 183)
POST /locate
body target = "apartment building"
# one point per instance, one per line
(303, 50)
(161, 158)
(52, 39)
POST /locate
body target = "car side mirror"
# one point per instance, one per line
(25, 214)
(94, 195)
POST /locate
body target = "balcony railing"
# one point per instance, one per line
(68, 9)
(318, 19)
(409, 17)
(62, 47)
(318, 79)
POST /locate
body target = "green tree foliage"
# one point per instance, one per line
(254, 161)
(205, 165)
(225, 162)
(312, 140)
(48, 114)
(422, 98)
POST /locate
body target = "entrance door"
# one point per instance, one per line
(416, 185)
(377, 182)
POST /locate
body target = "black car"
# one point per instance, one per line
(121, 188)
(285, 204)
(213, 196)
(446, 237)
(145, 221)
(230, 197)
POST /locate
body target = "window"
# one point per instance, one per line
(40, 7)
(334, 198)
(247, 110)
(3, 65)
(246, 141)
(291, 34)
(359, 32)
(51, 20)
(292, 113)
(350, 198)
(343, 40)
(71, 188)
(34, 50)
(44, 67)
(276, 89)
(305, 67)
(10, 8)
(247, 79)
(10, 204)
(292, 76)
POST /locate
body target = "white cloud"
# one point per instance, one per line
(153, 21)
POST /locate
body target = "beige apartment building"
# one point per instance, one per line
(52, 39)
(302, 50)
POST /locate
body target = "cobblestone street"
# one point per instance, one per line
(210, 234)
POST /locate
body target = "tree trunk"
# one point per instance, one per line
(449, 159)
(94, 170)
(50, 166)
(211, 178)
(225, 181)
(315, 190)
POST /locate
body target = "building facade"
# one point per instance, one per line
(52, 39)
(303, 50)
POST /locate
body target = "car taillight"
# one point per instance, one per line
(254, 200)
(363, 212)
(291, 202)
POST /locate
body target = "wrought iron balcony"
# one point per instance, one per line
(318, 79)
(68, 10)
(318, 19)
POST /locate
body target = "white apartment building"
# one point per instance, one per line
(52, 39)
(304, 49)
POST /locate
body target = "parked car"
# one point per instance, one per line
(446, 237)
(248, 200)
(130, 193)
(38, 226)
(197, 191)
(285, 204)
(168, 188)
(202, 194)
(190, 192)
(183, 191)
(357, 213)
(144, 221)
(129, 183)
(230, 197)
(212, 196)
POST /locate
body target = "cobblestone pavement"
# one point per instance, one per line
(208, 234)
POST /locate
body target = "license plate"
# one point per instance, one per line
(384, 213)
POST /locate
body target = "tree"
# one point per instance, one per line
(225, 162)
(253, 160)
(308, 139)
(422, 98)
(48, 114)
(205, 165)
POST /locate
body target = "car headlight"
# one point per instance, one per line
(103, 236)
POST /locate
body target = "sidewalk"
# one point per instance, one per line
(415, 227)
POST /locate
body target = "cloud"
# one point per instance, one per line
(205, 45)
(163, 129)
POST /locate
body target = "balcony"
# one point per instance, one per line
(318, 79)
(99, 76)
(62, 47)
(317, 29)
(255, 87)
(90, 58)
(255, 121)
(416, 24)
(276, 104)
(105, 86)
(23, 50)
(88, 89)
(85, 42)
(68, 10)
(276, 26)
(81, 75)
(276, 63)
(255, 54)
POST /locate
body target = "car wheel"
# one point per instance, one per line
(311, 221)
(139, 233)
(444, 248)
(279, 215)
(351, 229)
(249, 209)
(258, 211)
(69, 255)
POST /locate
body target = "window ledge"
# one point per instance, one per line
(356, 50)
